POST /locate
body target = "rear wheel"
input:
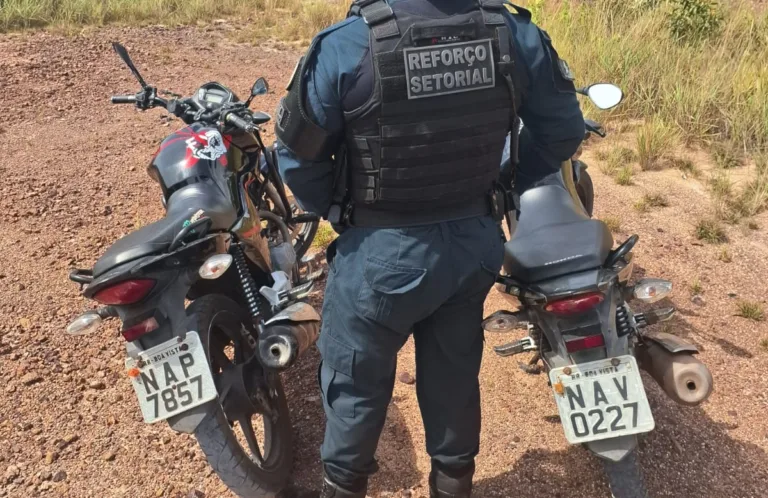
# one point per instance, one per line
(247, 438)
(625, 478)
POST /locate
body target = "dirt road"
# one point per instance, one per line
(74, 180)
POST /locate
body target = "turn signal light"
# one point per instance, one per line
(650, 290)
(576, 304)
(127, 292)
(141, 328)
(582, 343)
(215, 266)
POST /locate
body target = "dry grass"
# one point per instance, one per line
(751, 310)
(649, 201)
(290, 20)
(726, 155)
(655, 139)
(696, 287)
(612, 222)
(764, 343)
(325, 235)
(686, 166)
(710, 231)
(624, 175)
(724, 255)
(712, 90)
(615, 159)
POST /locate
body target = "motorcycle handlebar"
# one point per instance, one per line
(123, 99)
(239, 122)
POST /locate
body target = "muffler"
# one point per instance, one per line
(287, 335)
(681, 375)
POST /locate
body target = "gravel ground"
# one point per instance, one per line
(75, 181)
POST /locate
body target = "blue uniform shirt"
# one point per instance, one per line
(339, 77)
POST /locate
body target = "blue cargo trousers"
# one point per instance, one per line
(384, 285)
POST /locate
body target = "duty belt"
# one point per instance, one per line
(362, 216)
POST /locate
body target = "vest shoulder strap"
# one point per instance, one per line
(378, 15)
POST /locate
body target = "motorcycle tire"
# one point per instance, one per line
(625, 478)
(586, 190)
(217, 318)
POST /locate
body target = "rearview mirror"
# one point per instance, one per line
(605, 95)
(260, 87)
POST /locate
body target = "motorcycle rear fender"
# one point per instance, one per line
(188, 421)
(614, 450)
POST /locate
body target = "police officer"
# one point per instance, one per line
(393, 128)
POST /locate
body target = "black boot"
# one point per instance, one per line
(333, 490)
(446, 483)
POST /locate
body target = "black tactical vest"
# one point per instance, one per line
(431, 135)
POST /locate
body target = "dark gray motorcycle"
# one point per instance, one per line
(572, 292)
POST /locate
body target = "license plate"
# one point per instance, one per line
(171, 378)
(601, 399)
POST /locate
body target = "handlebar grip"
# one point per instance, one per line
(123, 99)
(239, 122)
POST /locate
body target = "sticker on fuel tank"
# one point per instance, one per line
(207, 145)
(452, 68)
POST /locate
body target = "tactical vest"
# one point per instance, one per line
(431, 136)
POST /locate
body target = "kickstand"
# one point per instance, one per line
(532, 368)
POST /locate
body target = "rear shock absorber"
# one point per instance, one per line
(247, 284)
(623, 326)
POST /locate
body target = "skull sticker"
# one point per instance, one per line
(208, 145)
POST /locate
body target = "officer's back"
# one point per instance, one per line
(393, 128)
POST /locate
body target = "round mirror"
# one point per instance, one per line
(260, 87)
(605, 95)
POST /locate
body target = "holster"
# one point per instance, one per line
(338, 214)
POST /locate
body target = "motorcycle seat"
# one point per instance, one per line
(554, 237)
(156, 237)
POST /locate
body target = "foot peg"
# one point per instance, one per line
(654, 316)
(521, 346)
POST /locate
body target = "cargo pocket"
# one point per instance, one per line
(385, 285)
(336, 375)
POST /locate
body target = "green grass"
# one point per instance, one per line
(686, 166)
(727, 156)
(325, 235)
(751, 310)
(710, 231)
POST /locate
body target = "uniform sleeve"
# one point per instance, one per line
(311, 182)
(553, 122)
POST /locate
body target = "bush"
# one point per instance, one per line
(693, 20)
(624, 175)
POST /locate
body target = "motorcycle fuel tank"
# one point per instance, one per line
(194, 152)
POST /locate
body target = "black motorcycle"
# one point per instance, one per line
(230, 243)
(571, 291)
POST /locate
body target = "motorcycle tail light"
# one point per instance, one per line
(141, 328)
(582, 343)
(126, 292)
(576, 304)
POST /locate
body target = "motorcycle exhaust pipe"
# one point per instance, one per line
(287, 336)
(682, 376)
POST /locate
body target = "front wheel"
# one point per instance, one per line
(247, 437)
(625, 478)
